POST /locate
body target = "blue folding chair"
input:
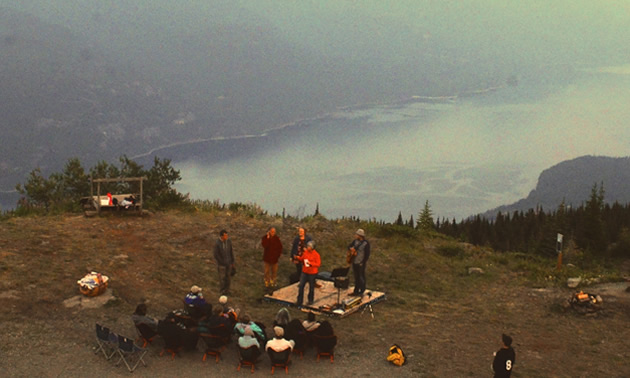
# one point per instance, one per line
(107, 342)
(131, 354)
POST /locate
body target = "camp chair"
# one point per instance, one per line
(296, 332)
(145, 334)
(325, 346)
(128, 352)
(107, 341)
(248, 356)
(214, 345)
(173, 341)
(301, 342)
(279, 359)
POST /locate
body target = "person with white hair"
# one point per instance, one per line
(359, 252)
(311, 262)
(248, 339)
(279, 343)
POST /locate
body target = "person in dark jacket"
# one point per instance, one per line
(224, 257)
(299, 245)
(272, 249)
(504, 359)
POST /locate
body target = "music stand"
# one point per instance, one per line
(336, 274)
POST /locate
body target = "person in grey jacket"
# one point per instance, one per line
(224, 257)
(359, 249)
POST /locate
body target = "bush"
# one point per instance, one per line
(450, 250)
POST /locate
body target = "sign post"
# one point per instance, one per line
(559, 250)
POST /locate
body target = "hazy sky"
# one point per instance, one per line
(370, 50)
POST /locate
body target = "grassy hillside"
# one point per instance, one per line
(448, 321)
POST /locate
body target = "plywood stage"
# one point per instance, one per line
(326, 298)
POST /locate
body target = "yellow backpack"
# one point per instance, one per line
(396, 355)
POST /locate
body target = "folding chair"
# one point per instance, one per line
(248, 356)
(279, 359)
(325, 346)
(129, 352)
(107, 341)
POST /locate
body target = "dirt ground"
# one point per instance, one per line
(155, 259)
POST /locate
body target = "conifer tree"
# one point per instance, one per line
(399, 220)
(425, 218)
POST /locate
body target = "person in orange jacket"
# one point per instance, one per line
(310, 265)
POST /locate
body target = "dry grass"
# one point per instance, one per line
(448, 321)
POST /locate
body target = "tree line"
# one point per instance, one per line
(594, 227)
(61, 191)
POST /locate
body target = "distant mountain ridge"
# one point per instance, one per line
(571, 181)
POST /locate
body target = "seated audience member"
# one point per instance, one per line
(195, 297)
(310, 324)
(282, 318)
(177, 335)
(279, 343)
(296, 332)
(248, 339)
(245, 322)
(140, 317)
(324, 329)
(216, 324)
(228, 310)
(196, 305)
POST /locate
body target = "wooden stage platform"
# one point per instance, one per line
(326, 299)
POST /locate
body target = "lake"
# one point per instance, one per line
(464, 156)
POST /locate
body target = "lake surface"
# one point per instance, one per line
(464, 156)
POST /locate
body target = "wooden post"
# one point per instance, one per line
(98, 198)
(141, 194)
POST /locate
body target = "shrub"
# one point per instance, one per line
(450, 250)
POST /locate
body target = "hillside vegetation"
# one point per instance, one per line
(448, 321)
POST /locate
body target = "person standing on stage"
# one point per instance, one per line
(311, 262)
(224, 257)
(359, 252)
(272, 247)
(504, 359)
(299, 245)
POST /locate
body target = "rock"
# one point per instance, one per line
(573, 282)
(89, 302)
(474, 270)
(9, 294)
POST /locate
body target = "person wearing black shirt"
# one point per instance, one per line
(299, 245)
(504, 359)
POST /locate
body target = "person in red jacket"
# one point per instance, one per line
(272, 249)
(310, 265)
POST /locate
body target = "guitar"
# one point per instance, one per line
(352, 253)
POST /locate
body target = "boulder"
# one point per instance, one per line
(474, 270)
(89, 302)
(573, 282)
